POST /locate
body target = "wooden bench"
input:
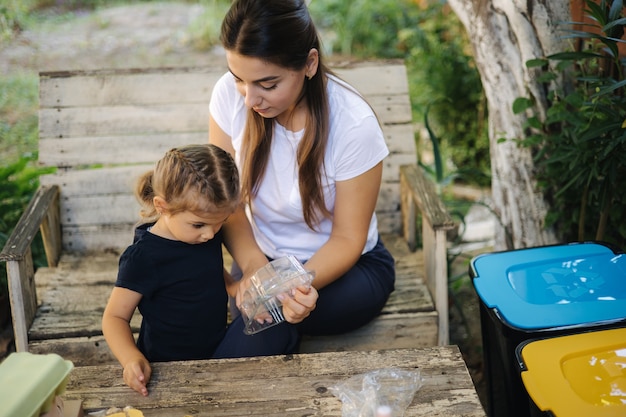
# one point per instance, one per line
(101, 129)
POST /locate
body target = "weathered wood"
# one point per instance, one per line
(19, 261)
(419, 195)
(127, 117)
(22, 297)
(422, 192)
(82, 351)
(18, 244)
(294, 385)
(75, 292)
(51, 231)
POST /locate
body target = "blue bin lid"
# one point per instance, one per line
(553, 286)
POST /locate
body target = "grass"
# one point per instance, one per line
(18, 116)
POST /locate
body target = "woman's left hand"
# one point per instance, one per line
(299, 306)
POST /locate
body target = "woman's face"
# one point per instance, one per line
(268, 89)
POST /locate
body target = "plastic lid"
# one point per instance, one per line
(553, 286)
(30, 382)
(578, 375)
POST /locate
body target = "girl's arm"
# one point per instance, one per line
(354, 205)
(119, 337)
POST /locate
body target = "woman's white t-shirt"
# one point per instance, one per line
(355, 145)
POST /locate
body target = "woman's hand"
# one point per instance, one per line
(137, 373)
(299, 306)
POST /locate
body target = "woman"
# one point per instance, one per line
(310, 150)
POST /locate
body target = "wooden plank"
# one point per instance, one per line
(423, 192)
(361, 75)
(106, 88)
(72, 312)
(81, 351)
(51, 231)
(124, 119)
(185, 85)
(90, 239)
(18, 243)
(97, 181)
(398, 330)
(113, 150)
(148, 148)
(22, 297)
(73, 296)
(300, 384)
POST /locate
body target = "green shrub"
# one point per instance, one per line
(442, 76)
(204, 31)
(581, 145)
(18, 182)
(18, 116)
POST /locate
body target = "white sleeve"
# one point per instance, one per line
(223, 102)
(356, 138)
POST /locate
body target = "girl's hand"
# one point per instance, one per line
(299, 306)
(137, 375)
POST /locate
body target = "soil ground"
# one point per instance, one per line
(157, 35)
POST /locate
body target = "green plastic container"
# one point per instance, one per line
(30, 382)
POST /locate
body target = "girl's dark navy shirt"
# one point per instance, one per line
(184, 299)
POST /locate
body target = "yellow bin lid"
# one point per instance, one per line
(578, 375)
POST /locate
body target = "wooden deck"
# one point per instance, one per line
(101, 129)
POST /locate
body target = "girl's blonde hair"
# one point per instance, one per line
(198, 178)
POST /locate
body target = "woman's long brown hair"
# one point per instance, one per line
(282, 32)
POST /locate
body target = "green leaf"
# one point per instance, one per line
(521, 104)
(534, 123)
(615, 11)
(537, 62)
(609, 89)
(611, 25)
(574, 56)
(596, 12)
(546, 77)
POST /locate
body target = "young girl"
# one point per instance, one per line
(174, 274)
(310, 152)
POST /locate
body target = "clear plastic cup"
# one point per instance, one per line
(261, 308)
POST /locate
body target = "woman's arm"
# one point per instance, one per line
(238, 235)
(119, 337)
(354, 205)
(240, 242)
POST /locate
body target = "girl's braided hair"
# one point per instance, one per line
(198, 178)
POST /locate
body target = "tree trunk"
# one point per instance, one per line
(504, 35)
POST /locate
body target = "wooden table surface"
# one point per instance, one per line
(291, 385)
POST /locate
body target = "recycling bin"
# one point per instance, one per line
(541, 292)
(579, 375)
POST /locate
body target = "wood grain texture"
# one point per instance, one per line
(293, 385)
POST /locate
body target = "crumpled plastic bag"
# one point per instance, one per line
(362, 395)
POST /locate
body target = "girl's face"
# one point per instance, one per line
(268, 89)
(185, 226)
